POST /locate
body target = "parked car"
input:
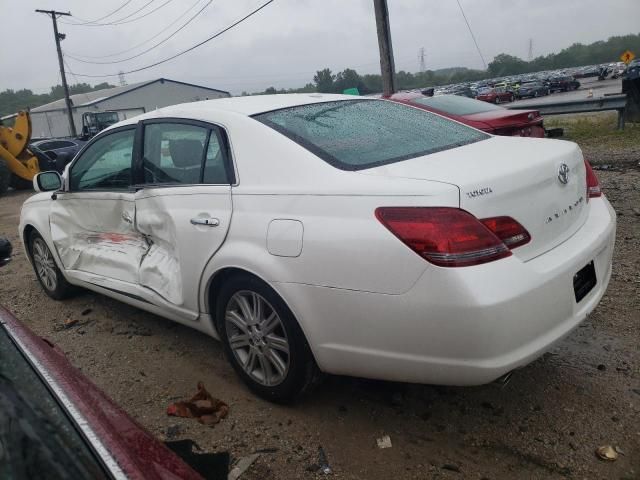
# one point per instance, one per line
(56, 424)
(481, 115)
(633, 70)
(563, 84)
(351, 235)
(55, 146)
(533, 89)
(495, 95)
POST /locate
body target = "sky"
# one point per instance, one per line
(286, 42)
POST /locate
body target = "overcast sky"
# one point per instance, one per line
(284, 44)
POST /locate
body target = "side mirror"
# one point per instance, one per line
(47, 182)
(5, 251)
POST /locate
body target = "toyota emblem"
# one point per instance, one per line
(563, 174)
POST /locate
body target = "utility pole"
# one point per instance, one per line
(387, 66)
(530, 49)
(58, 37)
(422, 62)
(123, 81)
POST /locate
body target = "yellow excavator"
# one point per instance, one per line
(18, 165)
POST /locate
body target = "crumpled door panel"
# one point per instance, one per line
(160, 267)
(91, 234)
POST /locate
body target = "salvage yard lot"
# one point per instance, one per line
(546, 423)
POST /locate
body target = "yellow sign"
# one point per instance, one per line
(627, 56)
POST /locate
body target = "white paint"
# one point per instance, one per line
(284, 238)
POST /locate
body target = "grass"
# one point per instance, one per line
(597, 130)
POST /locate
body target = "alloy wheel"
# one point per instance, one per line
(45, 265)
(257, 338)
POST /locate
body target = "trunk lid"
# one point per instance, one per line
(504, 118)
(511, 176)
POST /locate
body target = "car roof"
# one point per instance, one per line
(255, 104)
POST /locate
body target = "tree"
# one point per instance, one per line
(504, 64)
(323, 80)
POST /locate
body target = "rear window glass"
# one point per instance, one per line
(359, 134)
(455, 105)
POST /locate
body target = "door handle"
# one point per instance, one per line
(127, 217)
(209, 222)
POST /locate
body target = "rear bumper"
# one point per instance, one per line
(458, 326)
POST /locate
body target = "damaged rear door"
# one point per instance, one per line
(92, 223)
(183, 205)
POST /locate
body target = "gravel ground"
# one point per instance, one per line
(546, 423)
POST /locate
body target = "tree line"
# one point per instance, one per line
(12, 101)
(325, 81)
(576, 55)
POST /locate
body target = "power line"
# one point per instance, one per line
(107, 15)
(237, 22)
(471, 32)
(163, 30)
(122, 20)
(148, 49)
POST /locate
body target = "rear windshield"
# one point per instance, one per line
(359, 134)
(455, 105)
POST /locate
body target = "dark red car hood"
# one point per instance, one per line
(115, 437)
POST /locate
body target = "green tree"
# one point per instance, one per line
(323, 80)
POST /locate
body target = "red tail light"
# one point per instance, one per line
(593, 185)
(508, 230)
(448, 237)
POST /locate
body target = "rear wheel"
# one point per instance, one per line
(49, 275)
(263, 340)
(498, 100)
(5, 177)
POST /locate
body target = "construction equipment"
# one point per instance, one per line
(18, 165)
(95, 122)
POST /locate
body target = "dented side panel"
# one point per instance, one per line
(94, 232)
(180, 247)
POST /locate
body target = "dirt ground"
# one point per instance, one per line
(546, 423)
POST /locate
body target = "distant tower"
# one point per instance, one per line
(123, 82)
(530, 57)
(421, 57)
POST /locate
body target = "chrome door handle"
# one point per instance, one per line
(127, 217)
(209, 222)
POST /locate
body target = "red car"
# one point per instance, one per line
(481, 115)
(495, 95)
(56, 424)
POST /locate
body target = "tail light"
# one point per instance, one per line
(593, 185)
(447, 237)
(508, 230)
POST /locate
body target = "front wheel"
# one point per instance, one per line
(263, 340)
(498, 100)
(49, 275)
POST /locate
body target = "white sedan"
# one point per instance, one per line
(327, 233)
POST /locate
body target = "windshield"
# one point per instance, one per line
(358, 134)
(456, 105)
(36, 435)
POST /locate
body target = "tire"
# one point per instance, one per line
(49, 275)
(19, 183)
(498, 100)
(512, 98)
(535, 94)
(5, 178)
(262, 346)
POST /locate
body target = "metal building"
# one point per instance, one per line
(50, 120)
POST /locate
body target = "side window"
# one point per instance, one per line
(173, 153)
(215, 170)
(105, 164)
